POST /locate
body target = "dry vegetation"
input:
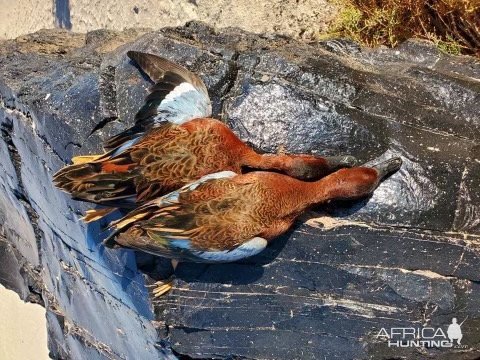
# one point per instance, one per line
(454, 25)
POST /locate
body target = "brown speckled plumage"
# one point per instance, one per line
(171, 156)
(222, 214)
(172, 143)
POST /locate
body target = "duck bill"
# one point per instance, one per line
(388, 167)
(338, 162)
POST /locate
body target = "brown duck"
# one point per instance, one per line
(173, 143)
(225, 217)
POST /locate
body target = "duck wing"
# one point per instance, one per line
(205, 221)
(247, 249)
(115, 179)
(177, 96)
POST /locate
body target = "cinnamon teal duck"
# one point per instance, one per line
(225, 217)
(173, 142)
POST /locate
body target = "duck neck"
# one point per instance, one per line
(301, 194)
(266, 161)
(312, 193)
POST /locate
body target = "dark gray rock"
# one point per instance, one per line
(406, 257)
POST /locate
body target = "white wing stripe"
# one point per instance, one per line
(173, 196)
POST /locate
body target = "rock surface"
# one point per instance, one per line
(406, 257)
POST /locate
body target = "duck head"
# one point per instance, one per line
(309, 167)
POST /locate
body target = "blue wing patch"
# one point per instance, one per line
(182, 104)
(177, 97)
(247, 249)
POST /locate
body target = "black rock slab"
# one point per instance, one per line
(406, 257)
